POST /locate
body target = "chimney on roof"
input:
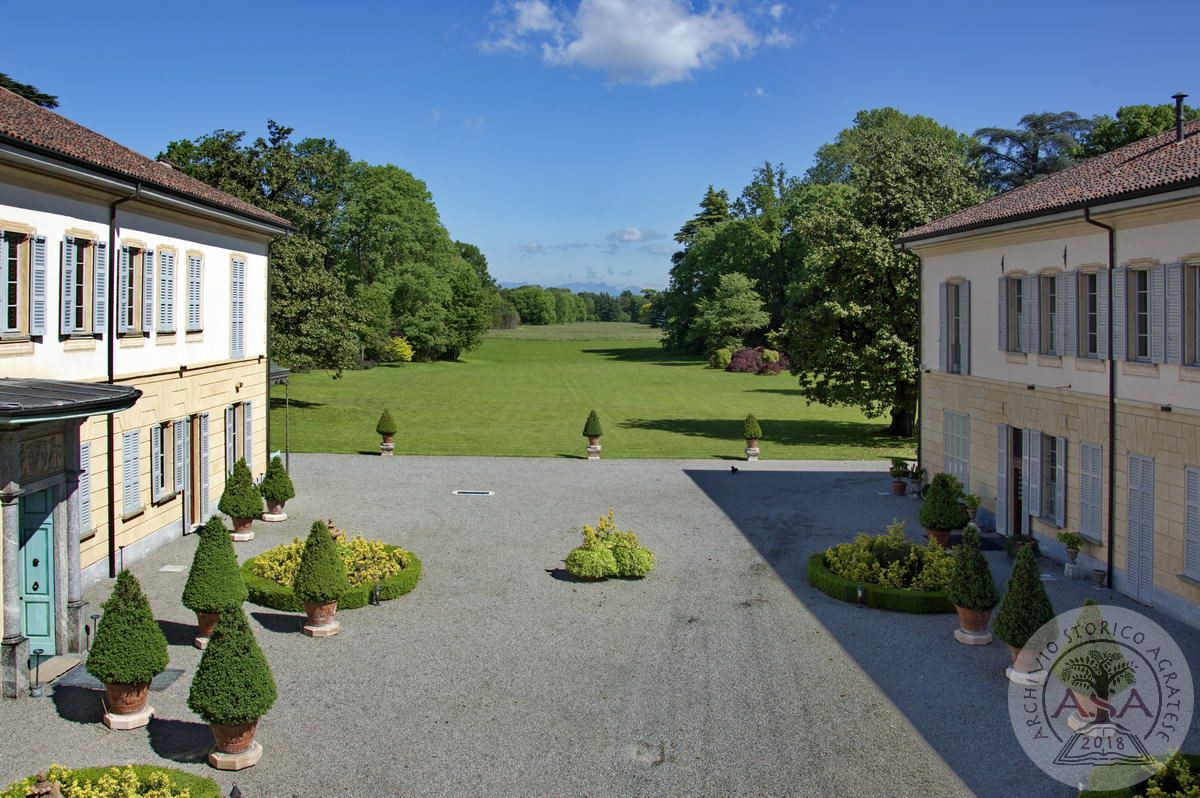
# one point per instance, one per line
(1178, 98)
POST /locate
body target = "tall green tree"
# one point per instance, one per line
(30, 93)
(835, 162)
(1041, 144)
(1132, 122)
(714, 209)
(729, 315)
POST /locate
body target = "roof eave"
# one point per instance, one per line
(85, 409)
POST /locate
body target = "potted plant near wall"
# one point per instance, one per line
(751, 431)
(1072, 541)
(592, 431)
(972, 502)
(1024, 609)
(899, 472)
(972, 590)
(386, 429)
(214, 583)
(1094, 689)
(276, 489)
(232, 689)
(916, 480)
(320, 581)
(942, 510)
(241, 501)
(129, 650)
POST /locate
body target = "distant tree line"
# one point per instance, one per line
(533, 304)
(806, 263)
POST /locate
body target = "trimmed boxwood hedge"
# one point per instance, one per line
(266, 593)
(877, 596)
(197, 786)
(1137, 789)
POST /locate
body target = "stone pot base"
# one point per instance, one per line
(593, 452)
(387, 449)
(241, 537)
(972, 638)
(274, 517)
(324, 630)
(200, 643)
(1022, 678)
(125, 722)
(752, 454)
(247, 758)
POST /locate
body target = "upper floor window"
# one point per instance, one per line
(1049, 321)
(955, 329)
(83, 287)
(1139, 314)
(1191, 324)
(1089, 295)
(135, 275)
(14, 276)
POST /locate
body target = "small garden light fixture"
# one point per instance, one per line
(375, 595)
(35, 689)
(95, 623)
(861, 595)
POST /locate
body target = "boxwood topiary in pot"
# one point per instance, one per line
(241, 501)
(276, 489)
(592, 431)
(214, 583)
(232, 689)
(320, 581)
(386, 429)
(942, 509)
(1024, 609)
(972, 590)
(128, 652)
(751, 431)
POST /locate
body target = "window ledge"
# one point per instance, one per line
(1136, 369)
(1051, 361)
(130, 516)
(1090, 364)
(166, 499)
(1016, 357)
(128, 341)
(1089, 539)
(1189, 373)
(79, 344)
(195, 335)
(1191, 580)
(20, 347)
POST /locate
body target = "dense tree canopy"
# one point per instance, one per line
(1041, 144)
(1131, 123)
(30, 93)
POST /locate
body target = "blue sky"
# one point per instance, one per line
(569, 140)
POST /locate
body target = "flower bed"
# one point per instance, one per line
(1179, 778)
(269, 576)
(893, 572)
(121, 782)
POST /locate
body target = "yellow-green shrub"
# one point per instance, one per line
(399, 349)
(365, 560)
(892, 560)
(115, 782)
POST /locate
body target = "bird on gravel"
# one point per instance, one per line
(733, 469)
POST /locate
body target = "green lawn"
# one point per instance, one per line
(527, 392)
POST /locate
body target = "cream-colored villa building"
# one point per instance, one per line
(1060, 362)
(133, 365)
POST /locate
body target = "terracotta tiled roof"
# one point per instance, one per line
(24, 122)
(1155, 164)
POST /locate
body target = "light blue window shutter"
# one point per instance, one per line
(202, 447)
(943, 327)
(1026, 471)
(195, 266)
(1033, 499)
(181, 447)
(248, 434)
(1102, 315)
(1002, 471)
(166, 291)
(67, 305)
(37, 286)
(1158, 315)
(237, 332)
(1060, 483)
(100, 290)
(147, 291)
(130, 489)
(1069, 321)
(1090, 491)
(123, 291)
(1060, 312)
(1146, 524)
(156, 474)
(1191, 527)
(1034, 316)
(1120, 313)
(1174, 312)
(85, 489)
(1002, 313)
(230, 458)
(964, 326)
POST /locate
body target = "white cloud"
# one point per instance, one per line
(757, 91)
(632, 41)
(532, 248)
(631, 234)
(776, 11)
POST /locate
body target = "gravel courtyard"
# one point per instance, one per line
(723, 673)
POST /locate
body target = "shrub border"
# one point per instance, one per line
(197, 786)
(1137, 789)
(877, 596)
(266, 593)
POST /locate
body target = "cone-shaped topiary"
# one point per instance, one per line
(276, 485)
(751, 430)
(942, 509)
(241, 498)
(129, 647)
(233, 683)
(386, 426)
(972, 585)
(321, 577)
(591, 428)
(215, 582)
(1025, 607)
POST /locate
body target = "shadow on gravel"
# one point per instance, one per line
(180, 740)
(278, 622)
(78, 704)
(178, 634)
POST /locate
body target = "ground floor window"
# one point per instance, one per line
(956, 439)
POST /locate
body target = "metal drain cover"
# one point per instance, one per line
(474, 492)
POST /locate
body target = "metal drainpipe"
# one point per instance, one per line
(110, 337)
(1112, 398)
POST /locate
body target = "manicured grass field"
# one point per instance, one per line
(527, 392)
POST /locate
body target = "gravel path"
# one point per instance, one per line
(723, 673)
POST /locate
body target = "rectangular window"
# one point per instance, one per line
(160, 445)
(14, 276)
(237, 309)
(1191, 526)
(1191, 318)
(1018, 325)
(195, 267)
(956, 443)
(1054, 453)
(1049, 321)
(131, 488)
(1091, 315)
(1140, 313)
(166, 291)
(83, 257)
(954, 343)
(132, 264)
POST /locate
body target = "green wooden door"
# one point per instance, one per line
(37, 572)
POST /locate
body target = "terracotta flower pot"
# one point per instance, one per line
(320, 614)
(593, 440)
(126, 699)
(973, 621)
(941, 536)
(205, 621)
(242, 524)
(1022, 661)
(752, 443)
(274, 508)
(233, 738)
(899, 487)
(388, 438)
(1072, 553)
